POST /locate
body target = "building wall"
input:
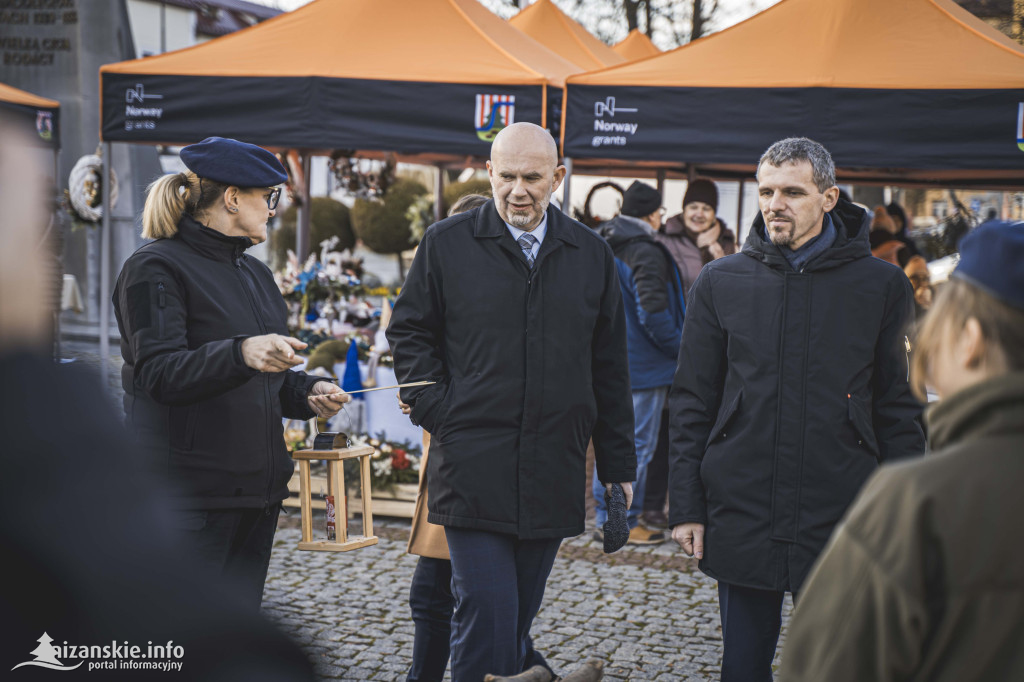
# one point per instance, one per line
(158, 28)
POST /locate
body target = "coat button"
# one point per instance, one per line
(860, 442)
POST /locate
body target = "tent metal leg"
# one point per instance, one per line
(303, 215)
(57, 312)
(567, 188)
(661, 182)
(438, 193)
(739, 212)
(108, 221)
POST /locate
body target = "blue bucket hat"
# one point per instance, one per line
(992, 259)
(233, 163)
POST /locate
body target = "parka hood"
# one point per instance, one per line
(622, 229)
(852, 228)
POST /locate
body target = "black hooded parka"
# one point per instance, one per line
(791, 388)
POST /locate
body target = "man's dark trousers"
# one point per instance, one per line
(751, 621)
(430, 597)
(498, 582)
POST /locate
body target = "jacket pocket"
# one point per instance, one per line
(724, 419)
(860, 419)
(445, 410)
(191, 420)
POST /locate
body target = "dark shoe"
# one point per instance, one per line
(645, 536)
(655, 519)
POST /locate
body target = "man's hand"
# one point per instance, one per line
(326, 398)
(626, 488)
(406, 409)
(271, 352)
(690, 536)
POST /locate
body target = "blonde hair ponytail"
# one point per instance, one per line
(172, 195)
(165, 202)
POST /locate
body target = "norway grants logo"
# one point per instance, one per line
(493, 113)
(46, 656)
(1020, 127)
(44, 124)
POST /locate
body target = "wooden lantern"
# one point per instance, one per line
(332, 448)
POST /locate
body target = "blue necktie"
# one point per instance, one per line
(526, 243)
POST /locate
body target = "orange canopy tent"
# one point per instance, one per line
(636, 46)
(34, 113)
(551, 27)
(915, 91)
(410, 76)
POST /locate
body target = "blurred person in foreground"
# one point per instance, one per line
(207, 357)
(514, 310)
(924, 579)
(430, 594)
(90, 557)
(791, 389)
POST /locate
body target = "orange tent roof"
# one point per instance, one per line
(636, 46)
(16, 96)
(906, 44)
(550, 26)
(452, 41)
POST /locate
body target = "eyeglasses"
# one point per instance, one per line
(273, 197)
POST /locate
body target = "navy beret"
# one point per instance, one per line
(640, 200)
(992, 259)
(233, 163)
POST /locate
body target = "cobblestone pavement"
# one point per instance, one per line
(646, 611)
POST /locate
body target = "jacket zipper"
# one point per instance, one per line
(161, 300)
(247, 286)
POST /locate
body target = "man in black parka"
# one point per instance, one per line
(514, 310)
(791, 388)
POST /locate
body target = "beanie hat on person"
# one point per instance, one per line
(703, 191)
(640, 200)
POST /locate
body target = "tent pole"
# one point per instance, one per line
(108, 163)
(303, 214)
(661, 182)
(56, 224)
(438, 193)
(739, 211)
(691, 173)
(566, 188)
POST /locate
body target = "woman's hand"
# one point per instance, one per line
(326, 399)
(271, 352)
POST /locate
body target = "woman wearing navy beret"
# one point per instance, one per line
(207, 356)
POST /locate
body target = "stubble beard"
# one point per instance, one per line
(524, 221)
(783, 237)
